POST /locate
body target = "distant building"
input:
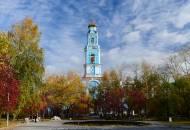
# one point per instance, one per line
(92, 66)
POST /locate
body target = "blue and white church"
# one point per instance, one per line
(92, 66)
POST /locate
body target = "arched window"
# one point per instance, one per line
(92, 40)
(92, 58)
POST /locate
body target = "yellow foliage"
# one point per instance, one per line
(26, 33)
(4, 44)
(64, 90)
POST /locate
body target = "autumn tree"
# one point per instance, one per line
(179, 64)
(9, 90)
(5, 46)
(110, 97)
(63, 91)
(136, 100)
(81, 107)
(27, 60)
(9, 84)
(182, 90)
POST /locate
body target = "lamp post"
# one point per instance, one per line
(9, 36)
(7, 109)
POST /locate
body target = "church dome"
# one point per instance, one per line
(93, 24)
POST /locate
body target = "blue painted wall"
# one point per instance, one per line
(92, 53)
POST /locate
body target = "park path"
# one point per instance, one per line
(58, 125)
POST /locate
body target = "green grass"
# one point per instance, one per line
(181, 122)
(105, 122)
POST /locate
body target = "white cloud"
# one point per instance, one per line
(51, 69)
(132, 54)
(66, 52)
(144, 26)
(183, 16)
(127, 29)
(137, 4)
(64, 28)
(102, 3)
(75, 59)
(165, 38)
(132, 37)
(109, 34)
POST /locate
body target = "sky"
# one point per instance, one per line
(130, 31)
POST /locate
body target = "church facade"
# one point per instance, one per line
(92, 65)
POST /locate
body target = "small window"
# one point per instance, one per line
(92, 58)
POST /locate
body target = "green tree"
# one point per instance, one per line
(182, 89)
(27, 60)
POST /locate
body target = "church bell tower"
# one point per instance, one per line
(92, 66)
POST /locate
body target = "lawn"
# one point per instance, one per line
(181, 122)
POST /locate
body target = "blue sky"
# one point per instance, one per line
(130, 31)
